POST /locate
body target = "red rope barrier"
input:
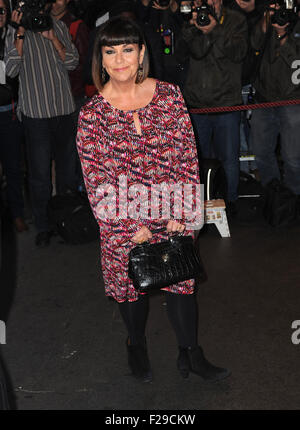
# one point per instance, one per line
(244, 107)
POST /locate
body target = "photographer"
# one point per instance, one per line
(163, 17)
(42, 57)
(216, 51)
(277, 35)
(252, 10)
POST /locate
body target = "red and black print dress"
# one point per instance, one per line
(110, 148)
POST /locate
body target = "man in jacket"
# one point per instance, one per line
(11, 133)
(281, 50)
(216, 52)
(42, 60)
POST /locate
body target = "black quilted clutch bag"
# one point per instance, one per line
(158, 265)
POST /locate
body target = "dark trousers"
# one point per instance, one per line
(47, 139)
(219, 137)
(182, 314)
(266, 126)
(11, 135)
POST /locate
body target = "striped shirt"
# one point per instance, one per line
(44, 90)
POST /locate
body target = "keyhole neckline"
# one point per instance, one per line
(132, 110)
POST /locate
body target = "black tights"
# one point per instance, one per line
(181, 310)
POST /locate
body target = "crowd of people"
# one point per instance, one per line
(46, 78)
(104, 89)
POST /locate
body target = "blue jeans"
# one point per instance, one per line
(47, 139)
(218, 137)
(11, 136)
(266, 125)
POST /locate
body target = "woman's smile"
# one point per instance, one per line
(121, 62)
(121, 69)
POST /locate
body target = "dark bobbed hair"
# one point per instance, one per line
(117, 31)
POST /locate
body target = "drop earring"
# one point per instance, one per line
(103, 74)
(139, 75)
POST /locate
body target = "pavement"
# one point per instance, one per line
(65, 341)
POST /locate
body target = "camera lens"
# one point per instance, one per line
(203, 19)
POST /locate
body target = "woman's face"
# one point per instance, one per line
(2, 17)
(121, 62)
(59, 6)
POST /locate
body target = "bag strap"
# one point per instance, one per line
(158, 230)
(163, 230)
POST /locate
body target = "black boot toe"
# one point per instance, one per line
(193, 360)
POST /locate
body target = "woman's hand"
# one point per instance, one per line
(142, 235)
(175, 226)
(145, 234)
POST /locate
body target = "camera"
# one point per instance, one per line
(202, 14)
(286, 14)
(35, 17)
(186, 11)
(202, 11)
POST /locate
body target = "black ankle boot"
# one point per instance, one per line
(193, 360)
(138, 361)
(183, 362)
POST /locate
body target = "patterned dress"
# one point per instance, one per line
(110, 148)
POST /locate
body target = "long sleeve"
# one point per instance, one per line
(231, 41)
(290, 50)
(257, 38)
(95, 176)
(72, 56)
(192, 42)
(186, 168)
(227, 39)
(11, 57)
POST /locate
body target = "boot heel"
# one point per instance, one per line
(202, 367)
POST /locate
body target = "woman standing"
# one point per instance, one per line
(138, 128)
(10, 131)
